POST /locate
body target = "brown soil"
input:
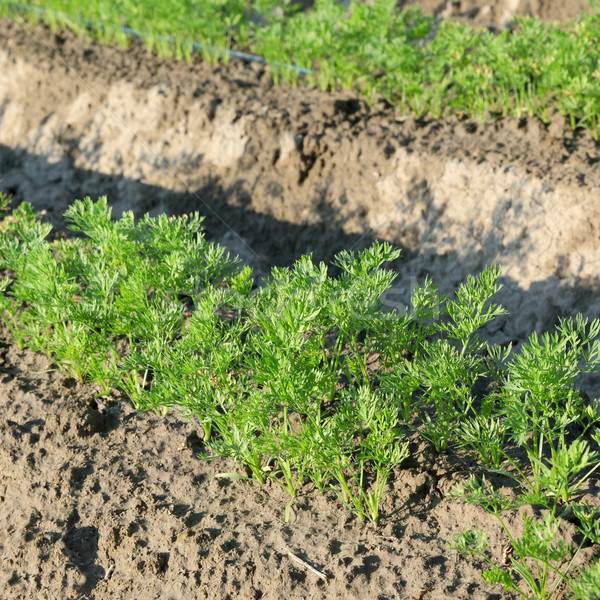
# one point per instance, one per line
(113, 504)
(499, 13)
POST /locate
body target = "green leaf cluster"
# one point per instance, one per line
(90, 301)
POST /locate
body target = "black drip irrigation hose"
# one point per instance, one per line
(133, 34)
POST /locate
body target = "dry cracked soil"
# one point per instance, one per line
(105, 503)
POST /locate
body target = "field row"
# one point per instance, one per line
(420, 66)
(309, 381)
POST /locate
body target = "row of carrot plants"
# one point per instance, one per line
(308, 380)
(421, 66)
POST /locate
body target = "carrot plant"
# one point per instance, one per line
(539, 402)
(88, 302)
(540, 411)
(434, 381)
(538, 561)
(586, 585)
(540, 558)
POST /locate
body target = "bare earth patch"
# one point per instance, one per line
(107, 503)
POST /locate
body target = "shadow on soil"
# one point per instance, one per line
(81, 548)
(261, 240)
(226, 207)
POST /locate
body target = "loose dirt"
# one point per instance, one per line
(498, 14)
(107, 503)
